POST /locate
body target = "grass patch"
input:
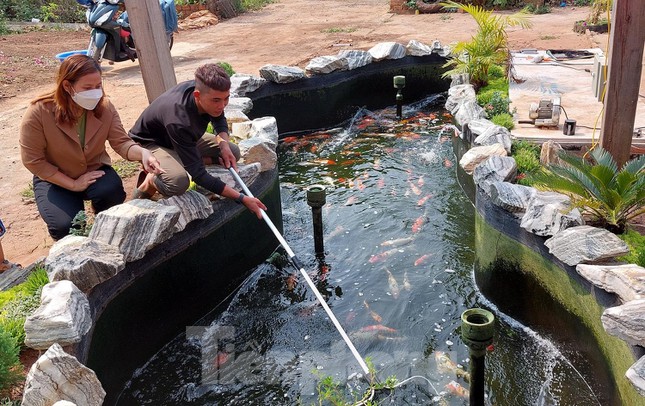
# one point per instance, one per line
(636, 243)
(28, 192)
(548, 37)
(335, 30)
(504, 120)
(253, 5)
(125, 169)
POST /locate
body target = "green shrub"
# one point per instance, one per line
(636, 243)
(60, 11)
(227, 68)
(9, 361)
(494, 102)
(527, 158)
(496, 72)
(504, 120)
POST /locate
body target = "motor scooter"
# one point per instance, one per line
(111, 37)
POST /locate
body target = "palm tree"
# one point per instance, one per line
(489, 46)
(611, 197)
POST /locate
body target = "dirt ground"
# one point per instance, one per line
(288, 32)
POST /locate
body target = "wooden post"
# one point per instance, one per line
(149, 34)
(627, 38)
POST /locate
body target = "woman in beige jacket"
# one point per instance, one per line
(62, 142)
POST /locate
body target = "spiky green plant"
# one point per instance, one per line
(487, 48)
(610, 196)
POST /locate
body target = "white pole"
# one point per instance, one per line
(296, 262)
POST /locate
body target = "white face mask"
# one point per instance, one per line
(88, 99)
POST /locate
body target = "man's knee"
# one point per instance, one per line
(172, 186)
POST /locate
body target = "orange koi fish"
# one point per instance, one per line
(422, 259)
(380, 183)
(291, 281)
(359, 184)
(382, 256)
(418, 223)
(288, 140)
(458, 390)
(420, 181)
(423, 200)
(447, 163)
(377, 317)
(221, 358)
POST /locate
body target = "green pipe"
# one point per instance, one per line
(477, 331)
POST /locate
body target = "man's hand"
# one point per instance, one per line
(254, 205)
(226, 157)
(150, 163)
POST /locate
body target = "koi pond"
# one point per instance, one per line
(397, 273)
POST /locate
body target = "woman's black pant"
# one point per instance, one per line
(58, 206)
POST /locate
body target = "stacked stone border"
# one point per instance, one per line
(592, 251)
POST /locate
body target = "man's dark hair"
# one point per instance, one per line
(212, 76)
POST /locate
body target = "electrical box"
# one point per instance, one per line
(599, 76)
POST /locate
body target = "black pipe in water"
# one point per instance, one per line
(477, 330)
(316, 198)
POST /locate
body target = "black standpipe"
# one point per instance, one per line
(316, 198)
(477, 330)
(399, 84)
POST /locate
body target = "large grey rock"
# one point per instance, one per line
(477, 155)
(511, 197)
(549, 153)
(494, 169)
(326, 64)
(467, 111)
(585, 244)
(242, 84)
(248, 173)
(281, 74)
(83, 261)
(626, 281)
(479, 126)
(135, 226)
(416, 48)
(636, 375)
(356, 58)
(64, 403)
(243, 104)
(626, 321)
(459, 94)
(192, 206)
(459, 79)
(265, 128)
(495, 134)
(233, 117)
(57, 376)
(259, 150)
(387, 50)
(548, 213)
(241, 130)
(63, 317)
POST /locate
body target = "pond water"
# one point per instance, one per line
(397, 272)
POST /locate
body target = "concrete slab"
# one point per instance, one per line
(572, 81)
